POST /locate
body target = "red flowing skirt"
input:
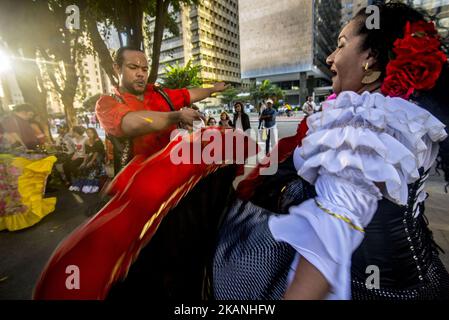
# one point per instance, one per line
(99, 253)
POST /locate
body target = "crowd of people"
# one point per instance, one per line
(83, 159)
(21, 129)
(81, 154)
(25, 165)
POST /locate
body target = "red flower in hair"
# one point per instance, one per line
(397, 85)
(418, 61)
(428, 28)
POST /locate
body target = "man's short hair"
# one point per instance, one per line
(24, 107)
(118, 55)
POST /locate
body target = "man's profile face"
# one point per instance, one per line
(133, 73)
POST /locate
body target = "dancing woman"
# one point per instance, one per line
(360, 154)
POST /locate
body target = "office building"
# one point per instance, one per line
(288, 43)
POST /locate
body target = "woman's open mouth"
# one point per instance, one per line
(334, 73)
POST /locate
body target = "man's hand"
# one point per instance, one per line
(187, 116)
(220, 86)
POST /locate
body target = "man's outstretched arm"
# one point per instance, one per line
(198, 94)
(143, 122)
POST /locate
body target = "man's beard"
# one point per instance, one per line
(131, 89)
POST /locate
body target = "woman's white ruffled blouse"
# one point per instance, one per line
(359, 149)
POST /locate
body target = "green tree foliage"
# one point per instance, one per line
(266, 90)
(229, 96)
(177, 76)
(36, 30)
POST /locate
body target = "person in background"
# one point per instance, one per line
(93, 166)
(309, 106)
(18, 127)
(241, 119)
(269, 118)
(261, 108)
(65, 149)
(211, 122)
(93, 121)
(64, 141)
(225, 120)
(39, 132)
(72, 166)
(86, 120)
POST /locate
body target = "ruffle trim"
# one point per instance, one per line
(31, 186)
(380, 136)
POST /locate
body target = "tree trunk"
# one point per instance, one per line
(27, 76)
(160, 22)
(135, 27)
(69, 92)
(69, 111)
(101, 49)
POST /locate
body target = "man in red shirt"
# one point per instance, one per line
(138, 111)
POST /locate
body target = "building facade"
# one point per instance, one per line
(208, 36)
(288, 43)
(439, 11)
(349, 9)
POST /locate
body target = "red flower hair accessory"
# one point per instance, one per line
(418, 63)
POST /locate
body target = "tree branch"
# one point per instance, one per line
(50, 73)
(102, 51)
(159, 26)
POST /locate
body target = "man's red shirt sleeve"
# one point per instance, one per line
(110, 114)
(179, 97)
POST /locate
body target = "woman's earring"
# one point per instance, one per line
(370, 75)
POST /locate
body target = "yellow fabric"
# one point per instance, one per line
(31, 187)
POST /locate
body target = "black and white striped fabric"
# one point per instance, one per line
(249, 264)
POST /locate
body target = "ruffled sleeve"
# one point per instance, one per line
(359, 149)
